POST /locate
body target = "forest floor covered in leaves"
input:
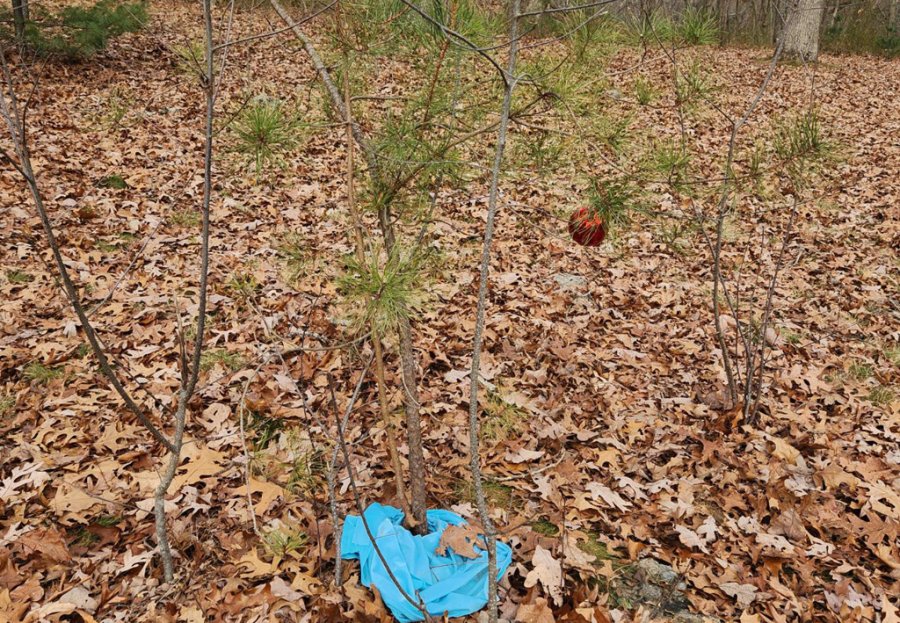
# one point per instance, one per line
(603, 443)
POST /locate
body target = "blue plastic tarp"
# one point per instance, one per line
(452, 584)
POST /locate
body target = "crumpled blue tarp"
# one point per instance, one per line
(452, 584)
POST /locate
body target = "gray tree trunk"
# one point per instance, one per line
(801, 33)
(780, 13)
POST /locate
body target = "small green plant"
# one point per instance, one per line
(389, 25)
(119, 103)
(676, 235)
(693, 84)
(17, 276)
(653, 28)
(596, 548)
(860, 371)
(881, 396)
(281, 541)
(110, 245)
(800, 136)
(293, 252)
(266, 429)
(39, 373)
(113, 181)
(670, 159)
(612, 130)
(7, 404)
(756, 162)
(222, 357)
(77, 33)
(501, 419)
(84, 538)
(187, 219)
(799, 144)
(106, 246)
(892, 353)
(108, 521)
(264, 133)
(589, 34)
(543, 149)
(644, 91)
(189, 58)
(613, 202)
(545, 527)
(307, 463)
(242, 286)
(497, 494)
(698, 27)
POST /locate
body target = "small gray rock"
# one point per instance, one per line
(568, 282)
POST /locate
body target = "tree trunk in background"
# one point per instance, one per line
(780, 10)
(801, 33)
(20, 16)
(894, 16)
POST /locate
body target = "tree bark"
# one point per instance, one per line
(801, 35)
(780, 10)
(20, 17)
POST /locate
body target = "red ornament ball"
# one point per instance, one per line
(586, 228)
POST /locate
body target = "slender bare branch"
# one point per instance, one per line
(12, 115)
(477, 342)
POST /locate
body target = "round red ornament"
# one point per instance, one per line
(586, 228)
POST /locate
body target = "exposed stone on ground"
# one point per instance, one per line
(656, 588)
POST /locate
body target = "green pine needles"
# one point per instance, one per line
(77, 33)
(381, 297)
(264, 133)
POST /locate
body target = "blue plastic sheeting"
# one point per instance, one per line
(452, 584)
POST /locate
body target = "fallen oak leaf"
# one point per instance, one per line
(462, 541)
(610, 497)
(48, 542)
(744, 594)
(523, 455)
(548, 571)
(690, 538)
(538, 612)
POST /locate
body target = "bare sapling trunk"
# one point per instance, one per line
(801, 32)
(191, 375)
(744, 382)
(478, 339)
(14, 117)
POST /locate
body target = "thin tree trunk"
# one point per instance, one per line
(408, 367)
(801, 36)
(474, 420)
(191, 376)
(383, 402)
(20, 17)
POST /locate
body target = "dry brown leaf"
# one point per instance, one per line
(548, 571)
(537, 612)
(462, 541)
(46, 541)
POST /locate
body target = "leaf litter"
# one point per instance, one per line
(796, 519)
